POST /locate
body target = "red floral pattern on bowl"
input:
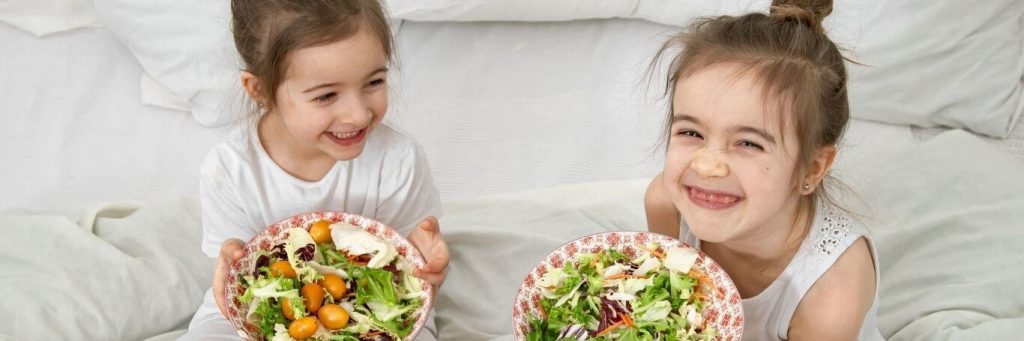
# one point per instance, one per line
(274, 235)
(723, 312)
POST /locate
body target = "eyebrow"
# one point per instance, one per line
(327, 85)
(741, 129)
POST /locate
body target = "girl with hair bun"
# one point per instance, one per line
(758, 108)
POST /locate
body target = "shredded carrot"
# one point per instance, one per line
(653, 252)
(705, 283)
(613, 326)
(373, 333)
(625, 318)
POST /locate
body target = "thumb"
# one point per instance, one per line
(231, 249)
(429, 224)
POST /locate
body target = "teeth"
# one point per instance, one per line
(724, 199)
(345, 135)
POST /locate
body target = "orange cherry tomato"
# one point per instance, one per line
(321, 232)
(313, 294)
(282, 268)
(302, 328)
(333, 316)
(334, 286)
(286, 309)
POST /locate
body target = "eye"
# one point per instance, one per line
(689, 133)
(376, 82)
(749, 144)
(325, 98)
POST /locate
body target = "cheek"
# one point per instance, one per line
(305, 121)
(676, 160)
(378, 104)
(764, 178)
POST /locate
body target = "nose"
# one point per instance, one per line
(710, 163)
(354, 111)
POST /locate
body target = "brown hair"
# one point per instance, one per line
(790, 55)
(267, 31)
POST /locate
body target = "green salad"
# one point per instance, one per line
(608, 296)
(333, 282)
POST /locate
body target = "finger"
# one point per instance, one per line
(231, 249)
(425, 271)
(422, 244)
(434, 278)
(433, 267)
(439, 260)
(430, 224)
(222, 307)
(218, 285)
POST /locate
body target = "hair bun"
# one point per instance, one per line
(807, 12)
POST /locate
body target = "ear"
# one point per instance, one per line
(820, 164)
(252, 87)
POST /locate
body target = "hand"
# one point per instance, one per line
(426, 237)
(230, 251)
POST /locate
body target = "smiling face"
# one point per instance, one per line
(729, 170)
(331, 98)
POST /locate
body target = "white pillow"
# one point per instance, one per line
(41, 17)
(924, 67)
(941, 63)
(509, 10)
(186, 50)
(671, 12)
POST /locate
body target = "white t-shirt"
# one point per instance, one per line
(243, 191)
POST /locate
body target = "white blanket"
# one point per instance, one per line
(128, 278)
(949, 232)
(496, 240)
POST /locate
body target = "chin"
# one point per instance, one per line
(709, 229)
(347, 154)
(709, 234)
(341, 154)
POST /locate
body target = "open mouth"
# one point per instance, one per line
(711, 199)
(347, 139)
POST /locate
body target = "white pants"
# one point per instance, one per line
(209, 324)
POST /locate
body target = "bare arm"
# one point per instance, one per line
(662, 215)
(835, 306)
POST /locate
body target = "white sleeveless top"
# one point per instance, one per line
(767, 315)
